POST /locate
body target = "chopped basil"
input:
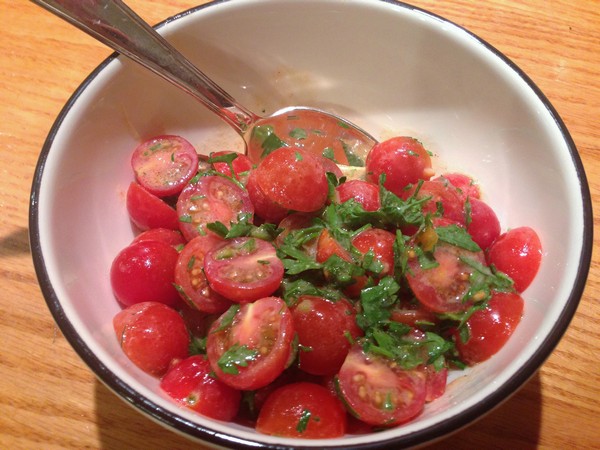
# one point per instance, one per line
(458, 236)
(236, 356)
(298, 133)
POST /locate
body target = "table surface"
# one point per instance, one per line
(49, 399)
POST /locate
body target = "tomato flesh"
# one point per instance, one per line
(261, 331)
(379, 393)
(243, 269)
(190, 280)
(211, 199)
(164, 164)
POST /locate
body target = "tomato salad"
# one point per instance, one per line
(277, 293)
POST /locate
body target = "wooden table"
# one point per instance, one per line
(50, 399)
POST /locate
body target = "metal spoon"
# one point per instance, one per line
(117, 26)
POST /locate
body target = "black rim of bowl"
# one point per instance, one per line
(196, 431)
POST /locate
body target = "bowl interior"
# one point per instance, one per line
(394, 70)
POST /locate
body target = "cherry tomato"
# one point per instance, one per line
(152, 335)
(443, 288)
(304, 410)
(190, 279)
(464, 183)
(365, 193)
(412, 315)
(325, 330)
(243, 269)
(402, 159)
(517, 253)
(164, 164)
(191, 384)
(443, 197)
(252, 348)
(241, 164)
(490, 328)
(381, 243)
(211, 199)
(148, 211)
(144, 271)
(436, 382)
(378, 392)
(484, 226)
(327, 246)
(294, 179)
(293, 222)
(172, 237)
(264, 207)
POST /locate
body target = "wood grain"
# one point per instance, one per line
(49, 399)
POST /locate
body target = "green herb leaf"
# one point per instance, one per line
(458, 236)
(236, 356)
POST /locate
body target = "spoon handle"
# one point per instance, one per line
(114, 24)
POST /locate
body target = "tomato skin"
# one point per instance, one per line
(266, 326)
(264, 207)
(441, 289)
(381, 243)
(243, 269)
(190, 278)
(365, 382)
(484, 226)
(402, 159)
(144, 271)
(324, 331)
(490, 328)
(327, 246)
(147, 211)
(451, 202)
(436, 382)
(464, 183)
(164, 164)
(294, 179)
(191, 384)
(363, 192)
(172, 237)
(152, 335)
(517, 253)
(282, 413)
(210, 199)
(241, 164)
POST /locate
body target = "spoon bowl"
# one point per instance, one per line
(116, 25)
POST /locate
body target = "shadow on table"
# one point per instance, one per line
(514, 424)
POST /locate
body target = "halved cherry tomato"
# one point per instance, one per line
(171, 237)
(443, 288)
(144, 271)
(483, 226)
(304, 410)
(251, 347)
(152, 335)
(211, 199)
(436, 382)
(147, 211)
(517, 253)
(191, 384)
(293, 179)
(490, 328)
(365, 193)
(327, 246)
(325, 331)
(164, 164)
(241, 164)
(190, 279)
(402, 159)
(243, 269)
(379, 392)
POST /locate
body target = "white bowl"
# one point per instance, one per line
(392, 68)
